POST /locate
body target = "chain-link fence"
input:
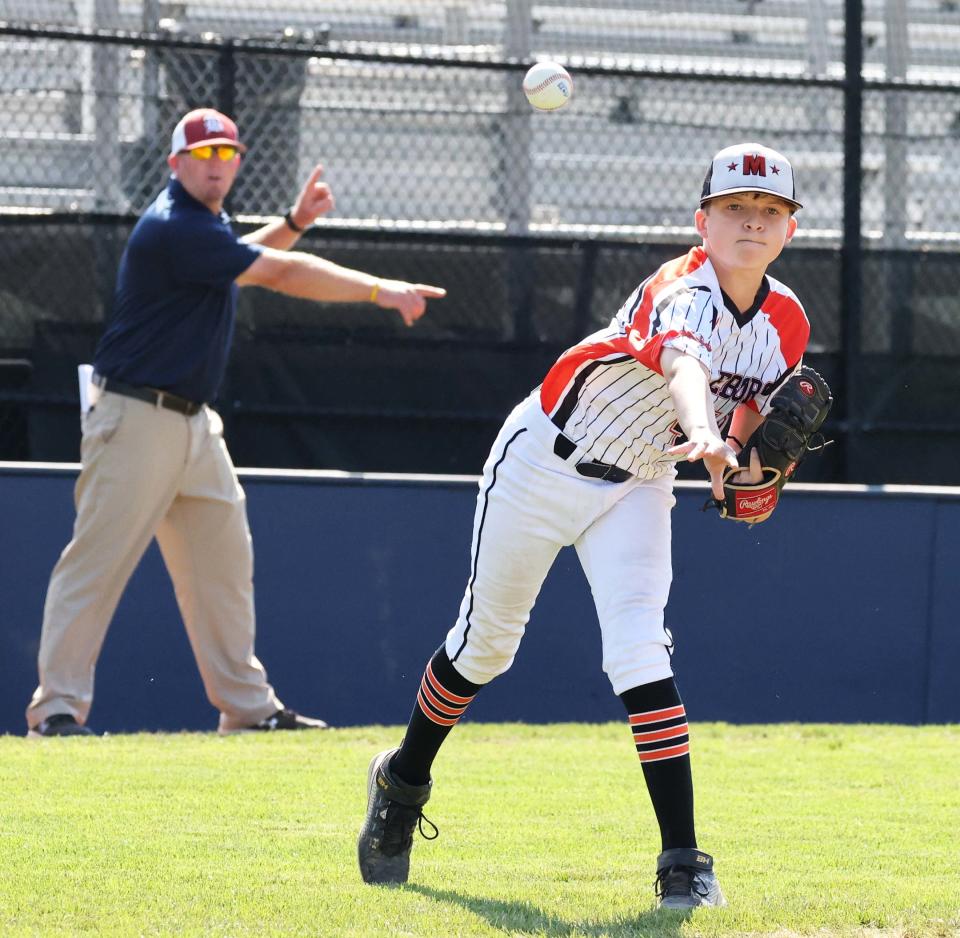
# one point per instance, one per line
(538, 224)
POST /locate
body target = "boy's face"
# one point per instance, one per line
(746, 230)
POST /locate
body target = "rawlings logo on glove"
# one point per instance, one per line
(755, 505)
(797, 411)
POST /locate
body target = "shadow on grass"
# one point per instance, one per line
(522, 917)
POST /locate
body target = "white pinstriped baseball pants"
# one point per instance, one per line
(532, 504)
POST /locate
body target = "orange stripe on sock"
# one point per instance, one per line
(440, 689)
(659, 754)
(439, 704)
(432, 716)
(672, 731)
(654, 716)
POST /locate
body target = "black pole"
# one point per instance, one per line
(227, 104)
(851, 254)
(583, 302)
(227, 94)
(227, 80)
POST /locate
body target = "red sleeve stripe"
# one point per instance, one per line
(648, 352)
(788, 318)
(654, 716)
(567, 366)
(659, 754)
(672, 270)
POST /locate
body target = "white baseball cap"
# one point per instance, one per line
(750, 167)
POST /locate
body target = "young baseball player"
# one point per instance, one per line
(685, 370)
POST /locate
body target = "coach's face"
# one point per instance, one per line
(747, 230)
(207, 180)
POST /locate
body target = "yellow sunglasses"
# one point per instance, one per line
(224, 153)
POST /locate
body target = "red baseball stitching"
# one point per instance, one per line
(544, 83)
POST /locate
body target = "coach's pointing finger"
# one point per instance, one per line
(426, 290)
(409, 299)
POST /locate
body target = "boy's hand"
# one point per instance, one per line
(751, 476)
(716, 456)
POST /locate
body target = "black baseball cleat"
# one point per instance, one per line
(60, 724)
(685, 880)
(394, 809)
(281, 720)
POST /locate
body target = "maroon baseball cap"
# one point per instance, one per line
(204, 127)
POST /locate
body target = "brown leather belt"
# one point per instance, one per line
(151, 395)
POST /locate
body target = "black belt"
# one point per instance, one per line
(151, 395)
(592, 469)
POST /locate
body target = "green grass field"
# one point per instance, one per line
(817, 830)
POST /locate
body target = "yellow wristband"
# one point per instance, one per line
(374, 291)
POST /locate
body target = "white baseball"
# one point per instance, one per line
(548, 86)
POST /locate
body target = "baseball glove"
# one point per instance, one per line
(790, 431)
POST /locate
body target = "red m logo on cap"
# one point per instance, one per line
(754, 165)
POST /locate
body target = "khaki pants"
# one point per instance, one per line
(150, 472)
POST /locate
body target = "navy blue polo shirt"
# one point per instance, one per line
(175, 301)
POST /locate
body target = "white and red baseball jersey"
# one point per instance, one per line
(608, 394)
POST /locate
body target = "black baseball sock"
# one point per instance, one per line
(659, 724)
(443, 697)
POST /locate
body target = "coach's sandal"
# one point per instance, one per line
(60, 724)
(394, 809)
(281, 720)
(685, 880)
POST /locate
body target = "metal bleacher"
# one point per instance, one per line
(450, 132)
(410, 146)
